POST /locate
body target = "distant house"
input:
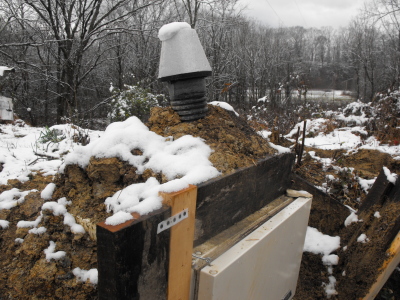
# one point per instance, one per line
(6, 104)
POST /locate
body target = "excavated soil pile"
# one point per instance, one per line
(359, 262)
(234, 142)
(366, 163)
(26, 274)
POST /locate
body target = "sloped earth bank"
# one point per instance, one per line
(359, 263)
(25, 272)
(366, 163)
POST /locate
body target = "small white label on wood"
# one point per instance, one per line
(168, 223)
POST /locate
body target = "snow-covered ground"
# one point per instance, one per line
(25, 150)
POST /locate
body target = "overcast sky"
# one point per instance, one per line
(306, 13)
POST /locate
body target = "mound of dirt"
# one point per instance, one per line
(345, 187)
(359, 263)
(234, 142)
(26, 274)
(368, 163)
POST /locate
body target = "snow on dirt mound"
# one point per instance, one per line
(143, 162)
(234, 143)
(178, 162)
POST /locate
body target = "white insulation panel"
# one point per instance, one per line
(265, 264)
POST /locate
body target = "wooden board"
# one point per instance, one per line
(327, 214)
(133, 259)
(181, 243)
(382, 193)
(134, 262)
(225, 201)
(387, 268)
(384, 196)
(378, 193)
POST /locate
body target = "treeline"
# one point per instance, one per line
(68, 53)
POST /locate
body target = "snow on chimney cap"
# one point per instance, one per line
(182, 55)
(168, 31)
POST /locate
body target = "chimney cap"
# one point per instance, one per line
(182, 55)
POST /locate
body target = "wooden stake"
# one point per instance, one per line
(181, 243)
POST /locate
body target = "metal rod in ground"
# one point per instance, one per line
(296, 145)
(299, 156)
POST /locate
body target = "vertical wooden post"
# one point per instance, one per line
(181, 243)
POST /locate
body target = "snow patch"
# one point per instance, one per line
(84, 275)
(168, 31)
(279, 148)
(265, 133)
(391, 177)
(3, 68)
(4, 224)
(18, 146)
(56, 208)
(59, 208)
(330, 287)
(70, 221)
(48, 191)
(366, 184)
(28, 224)
(319, 243)
(38, 231)
(13, 197)
(224, 105)
(50, 254)
(330, 260)
(362, 238)
(119, 218)
(352, 218)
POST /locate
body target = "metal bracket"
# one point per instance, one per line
(168, 223)
(206, 259)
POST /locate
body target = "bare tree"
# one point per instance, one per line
(70, 30)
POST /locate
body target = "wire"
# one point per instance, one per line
(276, 13)
(305, 23)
